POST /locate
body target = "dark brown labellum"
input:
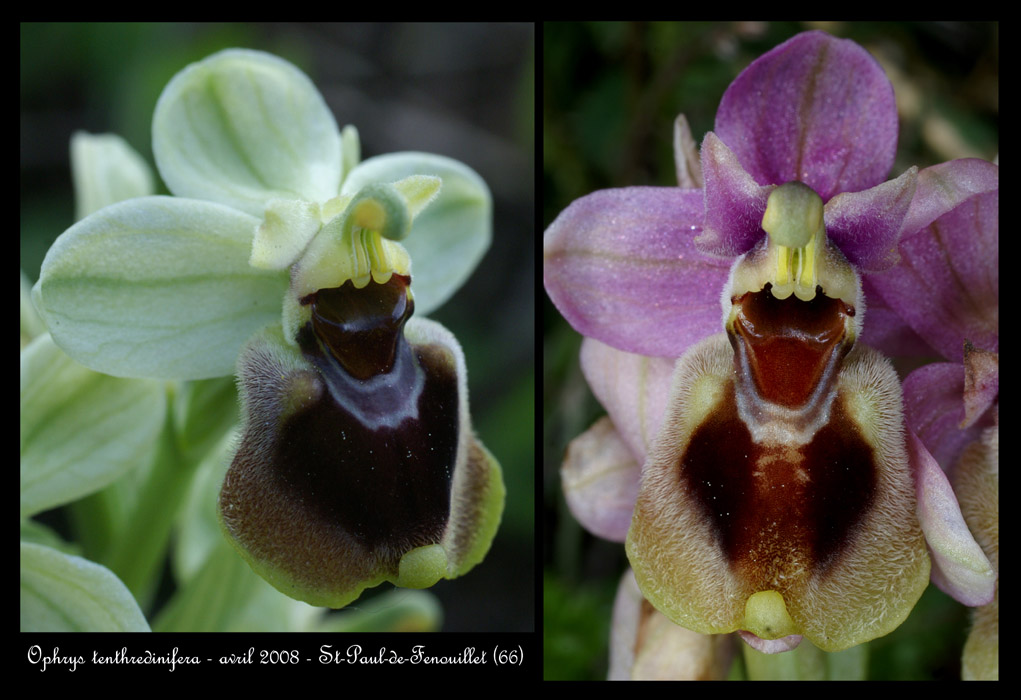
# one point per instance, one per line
(777, 509)
(361, 327)
(376, 452)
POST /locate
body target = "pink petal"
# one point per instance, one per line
(686, 158)
(934, 410)
(865, 225)
(947, 284)
(633, 389)
(960, 568)
(600, 479)
(885, 330)
(621, 266)
(734, 203)
(815, 109)
(944, 187)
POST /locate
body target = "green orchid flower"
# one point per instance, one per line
(283, 259)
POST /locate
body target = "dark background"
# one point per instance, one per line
(611, 92)
(461, 90)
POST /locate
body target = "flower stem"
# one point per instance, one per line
(137, 554)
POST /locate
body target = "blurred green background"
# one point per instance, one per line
(610, 93)
(461, 90)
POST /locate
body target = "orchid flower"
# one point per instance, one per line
(763, 477)
(285, 259)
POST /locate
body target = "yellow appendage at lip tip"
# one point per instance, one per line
(422, 567)
(765, 616)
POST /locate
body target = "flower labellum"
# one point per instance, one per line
(777, 499)
(357, 463)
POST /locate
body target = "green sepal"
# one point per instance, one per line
(157, 287)
(243, 127)
(106, 170)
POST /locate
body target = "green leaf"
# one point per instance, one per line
(225, 595)
(210, 598)
(38, 533)
(157, 287)
(197, 529)
(80, 430)
(243, 127)
(449, 238)
(64, 593)
(204, 411)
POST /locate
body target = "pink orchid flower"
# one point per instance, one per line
(764, 478)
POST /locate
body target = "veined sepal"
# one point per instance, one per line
(157, 287)
(244, 127)
(829, 525)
